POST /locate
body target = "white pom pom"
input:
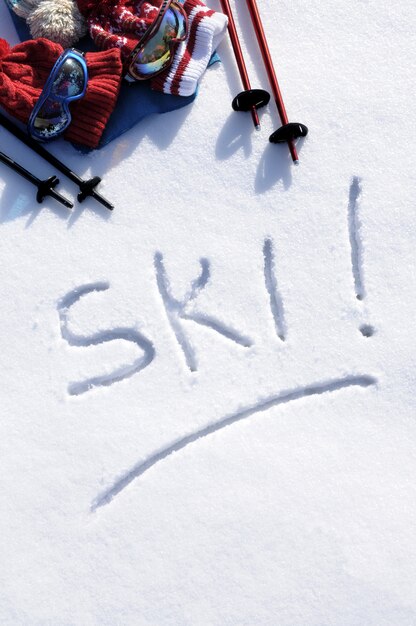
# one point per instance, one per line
(57, 20)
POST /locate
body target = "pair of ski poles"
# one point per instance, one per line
(253, 99)
(47, 187)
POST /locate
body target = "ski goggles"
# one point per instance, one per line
(67, 82)
(156, 49)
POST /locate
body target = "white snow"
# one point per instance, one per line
(222, 496)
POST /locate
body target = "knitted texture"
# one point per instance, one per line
(206, 28)
(91, 114)
(57, 20)
(25, 68)
(122, 24)
(118, 23)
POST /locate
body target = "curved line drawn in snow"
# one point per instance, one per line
(127, 334)
(176, 311)
(283, 397)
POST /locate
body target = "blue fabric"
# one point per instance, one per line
(136, 100)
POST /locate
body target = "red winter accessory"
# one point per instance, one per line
(118, 23)
(91, 114)
(122, 24)
(25, 68)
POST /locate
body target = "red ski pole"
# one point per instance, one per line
(288, 132)
(250, 99)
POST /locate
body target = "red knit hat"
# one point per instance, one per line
(122, 23)
(25, 68)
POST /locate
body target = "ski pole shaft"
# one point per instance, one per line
(238, 53)
(45, 187)
(85, 188)
(268, 63)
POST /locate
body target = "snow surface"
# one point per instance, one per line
(259, 466)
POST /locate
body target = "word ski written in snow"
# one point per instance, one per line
(180, 311)
(177, 312)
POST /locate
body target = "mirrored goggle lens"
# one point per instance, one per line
(156, 53)
(51, 120)
(70, 80)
